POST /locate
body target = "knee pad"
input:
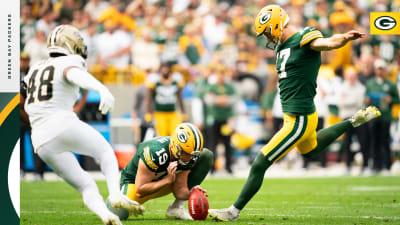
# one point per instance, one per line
(207, 156)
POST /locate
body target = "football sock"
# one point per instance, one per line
(200, 170)
(328, 135)
(254, 181)
(109, 167)
(178, 203)
(94, 201)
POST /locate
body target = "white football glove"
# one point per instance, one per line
(106, 102)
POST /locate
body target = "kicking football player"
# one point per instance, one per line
(168, 164)
(297, 64)
(49, 92)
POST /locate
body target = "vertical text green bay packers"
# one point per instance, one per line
(298, 62)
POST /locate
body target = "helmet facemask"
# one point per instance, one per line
(178, 154)
(273, 41)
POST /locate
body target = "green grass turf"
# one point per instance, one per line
(346, 200)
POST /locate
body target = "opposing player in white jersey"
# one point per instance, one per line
(51, 89)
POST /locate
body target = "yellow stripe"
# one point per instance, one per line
(9, 108)
(309, 37)
(288, 126)
(148, 160)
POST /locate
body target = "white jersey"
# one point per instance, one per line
(50, 97)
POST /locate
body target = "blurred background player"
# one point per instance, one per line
(381, 93)
(50, 90)
(298, 62)
(164, 165)
(220, 99)
(164, 91)
(350, 97)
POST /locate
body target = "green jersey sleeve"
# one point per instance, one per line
(155, 154)
(308, 34)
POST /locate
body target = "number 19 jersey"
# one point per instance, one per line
(155, 154)
(298, 65)
(50, 97)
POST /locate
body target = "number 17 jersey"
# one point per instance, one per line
(50, 98)
(297, 66)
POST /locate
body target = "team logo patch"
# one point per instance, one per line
(382, 23)
(182, 136)
(265, 17)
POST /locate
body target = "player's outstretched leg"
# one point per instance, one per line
(68, 168)
(101, 150)
(253, 184)
(198, 173)
(328, 135)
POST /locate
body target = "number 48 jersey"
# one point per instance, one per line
(50, 97)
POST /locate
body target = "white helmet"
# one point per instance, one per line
(66, 39)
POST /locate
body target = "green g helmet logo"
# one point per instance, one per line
(265, 17)
(182, 136)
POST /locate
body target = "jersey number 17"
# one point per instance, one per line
(283, 57)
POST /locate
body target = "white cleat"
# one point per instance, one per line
(121, 201)
(225, 215)
(111, 219)
(365, 115)
(179, 213)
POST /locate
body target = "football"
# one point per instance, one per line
(198, 205)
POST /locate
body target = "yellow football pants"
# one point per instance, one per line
(297, 131)
(130, 191)
(166, 122)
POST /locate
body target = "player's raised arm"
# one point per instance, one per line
(87, 81)
(336, 41)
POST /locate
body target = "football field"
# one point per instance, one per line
(342, 200)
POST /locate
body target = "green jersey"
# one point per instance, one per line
(378, 91)
(155, 154)
(165, 96)
(297, 66)
(221, 113)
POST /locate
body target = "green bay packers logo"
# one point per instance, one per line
(265, 17)
(385, 23)
(182, 136)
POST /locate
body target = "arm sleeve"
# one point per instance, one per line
(84, 80)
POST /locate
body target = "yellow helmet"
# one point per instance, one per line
(189, 139)
(270, 21)
(67, 40)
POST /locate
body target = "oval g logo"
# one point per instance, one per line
(265, 17)
(182, 136)
(385, 23)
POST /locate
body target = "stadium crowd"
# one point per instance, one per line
(213, 43)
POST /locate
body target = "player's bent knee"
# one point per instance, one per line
(208, 156)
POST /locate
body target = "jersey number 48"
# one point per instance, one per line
(45, 89)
